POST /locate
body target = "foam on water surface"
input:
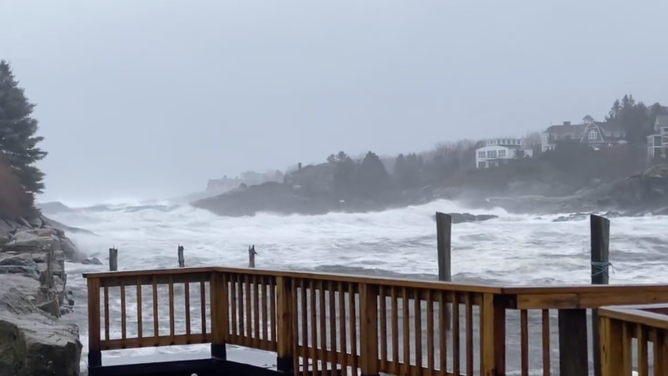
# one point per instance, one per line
(513, 249)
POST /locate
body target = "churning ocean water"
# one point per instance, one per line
(401, 243)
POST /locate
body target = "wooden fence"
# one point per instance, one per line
(315, 322)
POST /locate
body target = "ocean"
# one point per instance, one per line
(510, 250)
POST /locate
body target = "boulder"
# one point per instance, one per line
(45, 238)
(33, 342)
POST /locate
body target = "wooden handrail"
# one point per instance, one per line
(332, 321)
(620, 325)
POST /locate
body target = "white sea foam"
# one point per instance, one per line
(513, 249)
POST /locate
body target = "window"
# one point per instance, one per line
(502, 154)
(491, 153)
(664, 130)
(593, 134)
(481, 164)
(481, 154)
(616, 134)
(608, 133)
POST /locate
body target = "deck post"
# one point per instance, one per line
(573, 344)
(600, 263)
(611, 348)
(94, 346)
(286, 315)
(219, 316)
(369, 330)
(444, 249)
(493, 335)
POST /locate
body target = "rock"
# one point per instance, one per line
(53, 207)
(467, 217)
(33, 342)
(51, 307)
(92, 261)
(46, 238)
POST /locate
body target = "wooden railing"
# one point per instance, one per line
(319, 322)
(634, 338)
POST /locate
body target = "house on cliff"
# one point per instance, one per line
(499, 151)
(594, 133)
(658, 142)
(312, 178)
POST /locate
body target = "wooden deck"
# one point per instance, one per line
(314, 323)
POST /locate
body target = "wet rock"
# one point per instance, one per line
(33, 342)
(92, 261)
(468, 217)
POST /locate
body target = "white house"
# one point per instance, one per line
(498, 151)
(658, 142)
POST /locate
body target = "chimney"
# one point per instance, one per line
(567, 123)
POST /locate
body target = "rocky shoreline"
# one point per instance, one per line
(638, 195)
(33, 296)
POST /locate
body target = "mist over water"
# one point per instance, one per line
(401, 243)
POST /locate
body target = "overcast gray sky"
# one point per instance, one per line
(150, 98)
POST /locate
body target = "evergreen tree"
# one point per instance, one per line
(18, 141)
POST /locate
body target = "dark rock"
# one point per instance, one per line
(51, 307)
(92, 261)
(468, 217)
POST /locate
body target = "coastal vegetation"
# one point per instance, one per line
(19, 150)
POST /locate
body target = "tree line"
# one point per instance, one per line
(20, 179)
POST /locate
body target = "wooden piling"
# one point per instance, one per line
(182, 261)
(600, 264)
(113, 259)
(444, 250)
(251, 256)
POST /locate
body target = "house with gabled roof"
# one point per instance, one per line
(597, 134)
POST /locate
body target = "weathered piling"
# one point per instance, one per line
(251, 256)
(182, 261)
(444, 250)
(113, 259)
(600, 263)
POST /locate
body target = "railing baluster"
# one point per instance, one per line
(313, 324)
(186, 298)
(140, 317)
(343, 329)
(256, 312)
(443, 332)
(456, 345)
(469, 333)
(234, 296)
(524, 342)
(641, 336)
(124, 333)
(545, 332)
(322, 328)
(172, 318)
(394, 319)
(417, 330)
(106, 314)
(405, 315)
(202, 297)
(333, 348)
(430, 333)
(352, 307)
(303, 307)
(156, 318)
